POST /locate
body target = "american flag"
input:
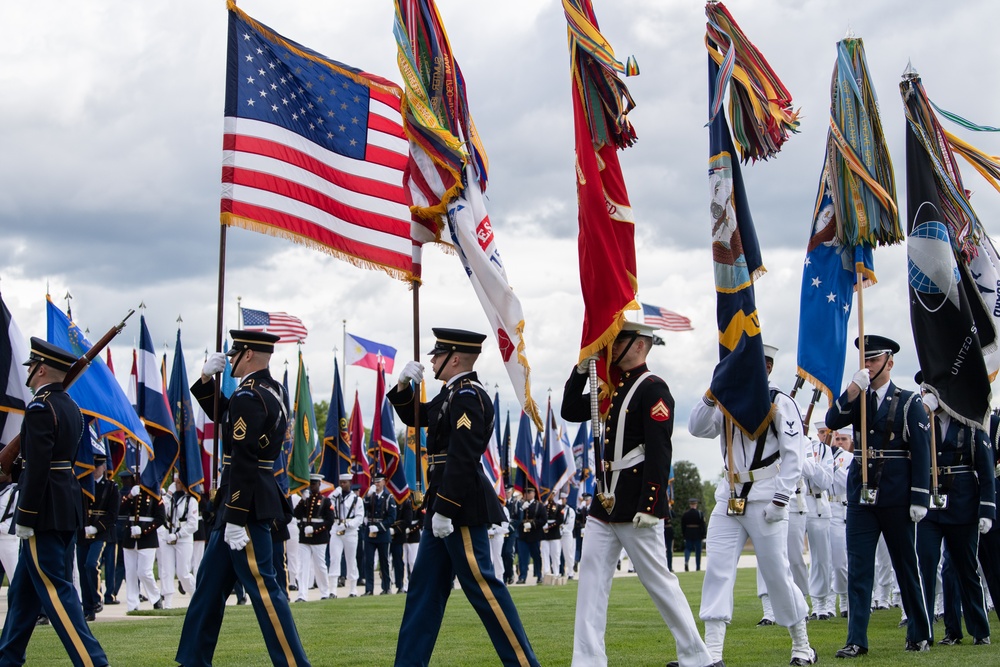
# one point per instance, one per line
(288, 327)
(665, 319)
(314, 151)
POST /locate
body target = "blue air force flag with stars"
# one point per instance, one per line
(828, 278)
(314, 151)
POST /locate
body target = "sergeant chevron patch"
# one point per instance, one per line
(239, 429)
(464, 421)
(660, 412)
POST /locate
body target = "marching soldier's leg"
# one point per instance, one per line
(203, 619)
(650, 561)
(929, 536)
(962, 542)
(469, 549)
(430, 586)
(989, 558)
(255, 569)
(862, 540)
(900, 536)
(17, 628)
(598, 558)
(47, 563)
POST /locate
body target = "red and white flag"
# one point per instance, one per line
(662, 318)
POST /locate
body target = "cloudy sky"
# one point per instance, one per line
(111, 127)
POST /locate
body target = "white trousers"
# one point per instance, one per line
(551, 553)
(175, 559)
(9, 546)
(410, 558)
(312, 562)
(139, 569)
(796, 556)
(496, 553)
(292, 553)
(838, 556)
(346, 545)
(568, 552)
(602, 544)
(727, 535)
(820, 564)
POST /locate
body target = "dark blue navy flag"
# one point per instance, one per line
(14, 394)
(525, 475)
(336, 436)
(739, 382)
(190, 466)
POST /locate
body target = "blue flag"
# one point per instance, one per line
(192, 473)
(827, 297)
(83, 466)
(554, 466)
(228, 387)
(525, 475)
(96, 391)
(505, 451)
(281, 461)
(336, 438)
(151, 401)
(739, 382)
(157, 473)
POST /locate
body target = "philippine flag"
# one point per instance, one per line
(364, 353)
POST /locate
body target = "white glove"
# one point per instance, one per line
(985, 525)
(773, 513)
(862, 378)
(136, 490)
(216, 363)
(172, 489)
(584, 366)
(236, 537)
(643, 520)
(337, 492)
(930, 402)
(23, 532)
(136, 531)
(305, 494)
(441, 526)
(917, 512)
(90, 531)
(308, 531)
(413, 371)
(172, 538)
(392, 532)
(527, 527)
(525, 505)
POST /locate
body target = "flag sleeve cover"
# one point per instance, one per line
(944, 332)
(606, 239)
(313, 151)
(739, 381)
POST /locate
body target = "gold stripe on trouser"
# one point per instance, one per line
(74, 636)
(268, 604)
(488, 593)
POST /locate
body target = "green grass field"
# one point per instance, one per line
(363, 631)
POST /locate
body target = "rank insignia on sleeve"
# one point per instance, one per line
(464, 421)
(239, 429)
(660, 412)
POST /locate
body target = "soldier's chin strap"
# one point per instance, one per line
(31, 374)
(236, 361)
(888, 355)
(437, 373)
(631, 341)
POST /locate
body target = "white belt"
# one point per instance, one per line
(838, 499)
(758, 474)
(637, 455)
(317, 521)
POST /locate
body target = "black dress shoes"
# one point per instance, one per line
(764, 621)
(851, 651)
(981, 641)
(921, 645)
(948, 640)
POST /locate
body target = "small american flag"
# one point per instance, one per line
(665, 319)
(288, 327)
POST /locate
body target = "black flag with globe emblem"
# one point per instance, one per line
(944, 328)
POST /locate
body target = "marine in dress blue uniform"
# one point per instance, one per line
(49, 514)
(461, 506)
(964, 457)
(247, 502)
(989, 542)
(98, 534)
(380, 514)
(899, 469)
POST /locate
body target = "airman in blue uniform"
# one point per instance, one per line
(248, 501)
(461, 507)
(898, 447)
(49, 514)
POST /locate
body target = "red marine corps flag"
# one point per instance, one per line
(607, 229)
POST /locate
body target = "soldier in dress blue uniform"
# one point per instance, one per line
(49, 514)
(633, 474)
(989, 542)
(99, 534)
(962, 509)
(248, 501)
(899, 474)
(380, 514)
(461, 507)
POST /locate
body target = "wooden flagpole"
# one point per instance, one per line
(864, 392)
(218, 348)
